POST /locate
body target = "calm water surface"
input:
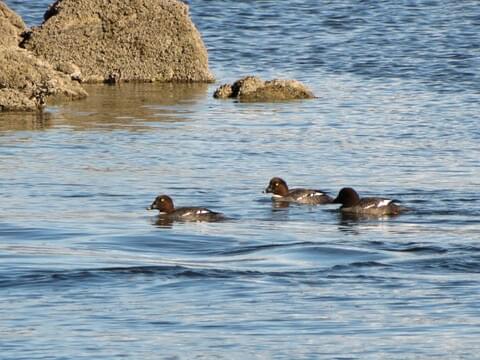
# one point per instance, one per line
(86, 272)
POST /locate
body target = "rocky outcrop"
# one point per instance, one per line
(15, 100)
(254, 89)
(26, 81)
(122, 40)
(11, 27)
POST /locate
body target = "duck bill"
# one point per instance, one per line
(267, 190)
(150, 207)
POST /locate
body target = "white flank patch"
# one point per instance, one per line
(277, 196)
(370, 206)
(318, 193)
(200, 212)
(188, 213)
(384, 202)
(162, 212)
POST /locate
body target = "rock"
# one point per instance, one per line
(122, 40)
(254, 89)
(11, 27)
(26, 81)
(247, 85)
(15, 100)
(225, 91)
(72, 70)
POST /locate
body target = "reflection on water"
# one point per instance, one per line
(25, 121)
(280, 204)
(352, 218)
(131, 104)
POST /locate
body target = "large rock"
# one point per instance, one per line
(27, 81)
(122, 40)
(11, 26)
(254, 89)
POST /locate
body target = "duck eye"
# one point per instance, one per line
(162, 200)
(276, 184)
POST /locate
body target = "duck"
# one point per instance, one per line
(279, 188)
(164, 204)
(352, 204)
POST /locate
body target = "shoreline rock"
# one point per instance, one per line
(122, 40)
(11, 26)
(25, 80)
(254, 89)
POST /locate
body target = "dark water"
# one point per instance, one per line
(86, 273)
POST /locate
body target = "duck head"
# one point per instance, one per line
(162, 203)
(277, 186)
(347, 197)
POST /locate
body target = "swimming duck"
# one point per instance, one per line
(164, 204)
(353, 204)
(278, 187)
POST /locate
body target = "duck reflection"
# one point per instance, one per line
(278, 205)
(351, 223)
(163, 222)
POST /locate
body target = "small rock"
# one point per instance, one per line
(254, 89)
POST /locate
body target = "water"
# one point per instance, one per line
(397, 115)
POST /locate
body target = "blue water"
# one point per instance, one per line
(87, 273)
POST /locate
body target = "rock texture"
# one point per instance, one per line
(254, 89)
(26, 81)
(11, 27)
(122, 40)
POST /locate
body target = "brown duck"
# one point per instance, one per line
(278, 187)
